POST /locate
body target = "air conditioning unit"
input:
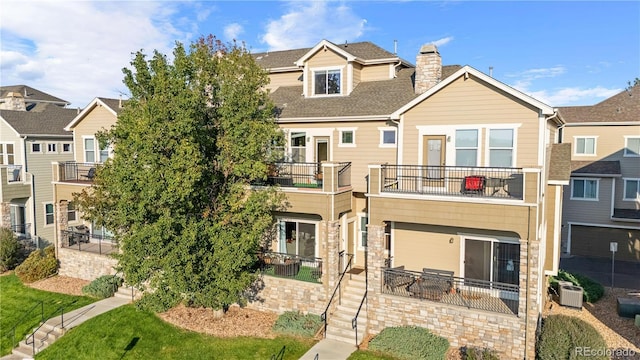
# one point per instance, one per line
(571, 296)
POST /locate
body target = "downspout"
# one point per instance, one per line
(395, 67)
(526, 302)
(33, 191)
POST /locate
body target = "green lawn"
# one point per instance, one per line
(128, 333)
(370, 355)
(17, 299)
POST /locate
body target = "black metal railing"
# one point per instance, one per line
(470, 293)
(354, 321)
(280, 354)
(14, 173)
(76, 172)
(22, 231)
(22, 319)
(294, 174)
(32, 336)
(496, 182)
(336, 289)
(291, 266)
(90, 242)
(344, 174)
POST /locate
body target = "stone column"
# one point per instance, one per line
(62, 222)
(5, 214)
(332, 268)
(375, 259)
(529, 301)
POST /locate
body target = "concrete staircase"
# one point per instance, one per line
(128, 292)
(48, 333)
(339, 322)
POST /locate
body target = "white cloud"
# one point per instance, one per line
(76, 50)
(232, 31)
(306, 23)
(574, 95)
(442, 41)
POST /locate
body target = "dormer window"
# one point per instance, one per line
(326, 82)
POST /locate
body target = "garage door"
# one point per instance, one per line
(594, 241)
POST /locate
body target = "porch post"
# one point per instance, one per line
(62, 222)
(375, 259)
(332, 268)
(5, 214)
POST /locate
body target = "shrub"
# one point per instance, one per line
(410, 342)
(593, 290)
(103, 287)
(39, 265)
(9, 250)
(297, 324)
(563, 337)
(471, 353)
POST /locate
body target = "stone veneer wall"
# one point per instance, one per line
(84, 265)
(280, 295)
(5, 214)
(461, 326)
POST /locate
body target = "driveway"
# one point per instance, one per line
(627, 273)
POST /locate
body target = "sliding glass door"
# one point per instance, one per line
(492, 260)
(297, 237)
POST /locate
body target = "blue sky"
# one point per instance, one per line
(562, 53)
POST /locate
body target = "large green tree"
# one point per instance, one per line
(194, 134)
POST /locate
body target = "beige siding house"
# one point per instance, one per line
(32, 136)
(83, 247)
(602, 202)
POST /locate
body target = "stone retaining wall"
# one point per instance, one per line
(280, 295)
(84, 265)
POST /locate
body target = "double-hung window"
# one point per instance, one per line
(326, 82)
(364, 221)
(90, 150)
(298, 146)
(632, 146)
(7, 156)
(48, 214)
(584, 189)
(631, 189)
(585, 145)
(466, 147)
(501, 147)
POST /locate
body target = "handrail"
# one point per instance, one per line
(344, 271)
(33, 334)
(19, 322)
(354, 321)
(280, 354)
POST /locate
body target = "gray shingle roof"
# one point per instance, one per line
(31, 94)
(114, 104)
(367, 98)
(286, 58)
(600, 167)
(623, 107)
(560, 162)
(43, 119)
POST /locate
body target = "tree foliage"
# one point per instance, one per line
(195, 132)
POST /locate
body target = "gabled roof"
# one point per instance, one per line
(469, 71)
(622, 107)
(367, 100)
(44, 119)
(596, 168)
(113, 105)
(31, 95)
(361, 51)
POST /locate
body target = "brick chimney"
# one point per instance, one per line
(13, 101)
(428, 68)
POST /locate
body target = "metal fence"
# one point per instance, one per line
(293, 174)
(470, 293)
(86, 241)
(75, 171)
(496, 182)
(291, 266)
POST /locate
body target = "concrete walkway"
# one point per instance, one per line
(75, 318)
(327, 349)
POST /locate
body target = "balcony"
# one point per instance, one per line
(290, 266)
(74, 172)
(307, 175)
(14, 173)
(478, 182)
(448, 289)
(632, 215)
(83, 240)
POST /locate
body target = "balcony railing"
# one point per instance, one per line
(291, 266)
(90, 242)
(71, 171)
(300, 175)
(493, 182)
(344, 174)
(448, 289)
(14, 173)
(22, 231)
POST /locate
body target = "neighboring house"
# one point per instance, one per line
(423, 195)
(82, 246)
(32, 136)
(602, 203)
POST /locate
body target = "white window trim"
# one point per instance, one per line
(304, 221)
(477, 148)
(36, 152)
(626, 146)
(44, 213)
(70, 151)
(597, 198)
(342, 130)
(96, 154)
(514, 145)
(492, 240)
(5, 154)
(56, 151)
(575, 145)
(382, 129)
(313, 80)
(624, 189)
